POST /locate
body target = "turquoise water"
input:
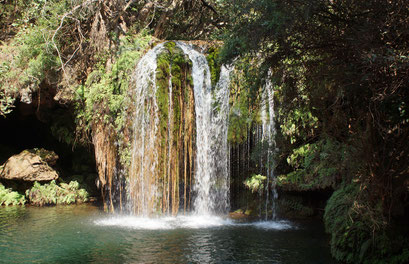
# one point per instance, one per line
(85, 234)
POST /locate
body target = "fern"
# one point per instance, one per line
(8, 197)
(51, 193)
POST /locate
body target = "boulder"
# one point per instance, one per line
(30, 165)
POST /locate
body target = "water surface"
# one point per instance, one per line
(85, 234)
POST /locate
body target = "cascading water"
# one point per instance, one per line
(268, 137)
(255, 156)
(192, 139)
(212, 160)
(143, 192)
(203, 100)
(220, 151)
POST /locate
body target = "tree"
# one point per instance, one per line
(346, 64)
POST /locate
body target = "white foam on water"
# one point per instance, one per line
(165, 223)
(186, 222)
(203, 221)
(135, 223)
(273, 225)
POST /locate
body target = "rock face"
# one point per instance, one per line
(30, 165)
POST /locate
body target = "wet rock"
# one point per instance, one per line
(30, 165)
(242, 215)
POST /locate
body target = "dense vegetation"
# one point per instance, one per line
(8, 197)
(45, 194)
(51, 193)
(340, 71)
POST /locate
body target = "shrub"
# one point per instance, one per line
(318, 165)
(51, 193)
(255, 183)
(293, 207)
(360, 232)
(8, 197)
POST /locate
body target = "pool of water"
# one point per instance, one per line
(85, 234)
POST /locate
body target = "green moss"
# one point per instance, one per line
(214, 64)
(172, 64)
(162, 89)
(45, 155)
(163, 73)
(240, 119)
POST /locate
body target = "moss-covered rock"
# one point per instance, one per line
(174, 95)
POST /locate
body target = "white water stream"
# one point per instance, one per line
(268, 137)
(145, 129)
(212, 150)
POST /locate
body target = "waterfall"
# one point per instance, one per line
(212, 160)
(179, 140)
(143, 192)
(268, 138)
(220, 151)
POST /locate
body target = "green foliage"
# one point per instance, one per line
(340, 74)
(8, 197)
(359, 233)
(34, 57)
(255, 183)
(51, 193)
(347, 234)
(244, 99)
(7, 91)
(293, 207)
(102, 99)
(318, 165)
(30, 59)
(104, 92)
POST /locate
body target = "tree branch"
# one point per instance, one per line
(209, 6)
(60, 26)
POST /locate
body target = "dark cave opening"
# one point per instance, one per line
(27, 128)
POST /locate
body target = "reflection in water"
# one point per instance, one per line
(84, 234)
(202, 248)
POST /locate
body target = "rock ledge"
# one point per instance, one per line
(30, 165)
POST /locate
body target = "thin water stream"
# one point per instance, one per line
(85, 234)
